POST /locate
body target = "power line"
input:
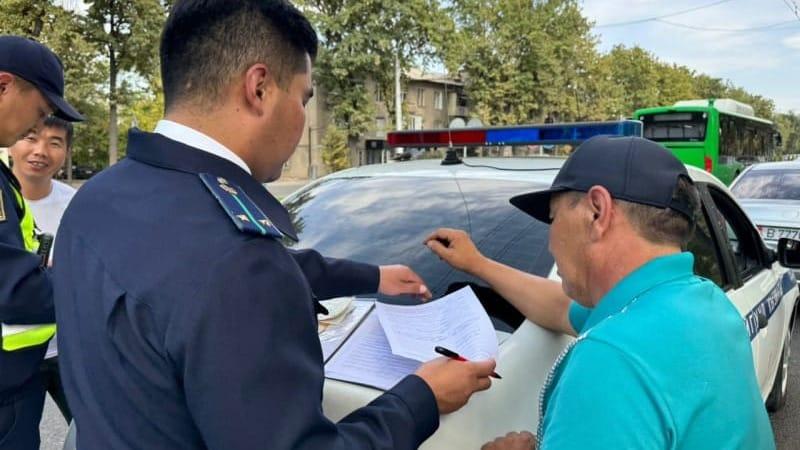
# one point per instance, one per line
(761, 28)
(793, 6)
(650, 19)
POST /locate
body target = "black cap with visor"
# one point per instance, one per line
(630, 168)
(39, 66)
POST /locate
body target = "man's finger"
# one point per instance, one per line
(438, 248)
(425, 292)
(484, 383)
(484, 368)
(442, 233)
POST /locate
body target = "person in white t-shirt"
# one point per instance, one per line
(37, 157)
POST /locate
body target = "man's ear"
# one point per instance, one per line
(258, 87)
(5, 80)
(600, 204)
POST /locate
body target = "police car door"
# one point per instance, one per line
(756, 288)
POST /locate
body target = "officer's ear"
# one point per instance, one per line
(258, 87)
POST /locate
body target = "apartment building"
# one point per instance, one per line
(430, 101)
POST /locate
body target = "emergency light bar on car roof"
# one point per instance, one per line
(544, 134)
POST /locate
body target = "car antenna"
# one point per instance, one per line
(451, 156)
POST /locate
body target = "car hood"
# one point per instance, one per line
(773, 212)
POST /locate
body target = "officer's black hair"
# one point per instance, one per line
(205, 43)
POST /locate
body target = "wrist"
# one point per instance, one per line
(480, 267)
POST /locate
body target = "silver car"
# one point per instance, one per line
(770, 195)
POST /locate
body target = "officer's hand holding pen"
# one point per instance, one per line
(453, 382)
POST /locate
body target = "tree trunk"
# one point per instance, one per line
(113, 131)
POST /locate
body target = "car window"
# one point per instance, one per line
(385, 220)
(738, 234)
(768, 184)
(707, 260)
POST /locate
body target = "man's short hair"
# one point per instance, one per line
(69, 130)
(665, 226)
(206, 43)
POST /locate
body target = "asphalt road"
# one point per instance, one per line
(784, 422)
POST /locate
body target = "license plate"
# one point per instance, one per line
(773, 233)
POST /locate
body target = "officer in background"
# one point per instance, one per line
(184, 323)
(662, 359)
(31, 88)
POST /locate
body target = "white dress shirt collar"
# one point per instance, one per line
(198, 140)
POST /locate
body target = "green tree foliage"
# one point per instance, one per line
(789, 127)
(528, 61)
(61, 30)
(360, 40)
(127, 33)
(335, 153)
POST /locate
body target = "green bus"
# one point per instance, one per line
(721, 136)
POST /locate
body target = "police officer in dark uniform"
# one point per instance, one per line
(184, 323)
(31, 88)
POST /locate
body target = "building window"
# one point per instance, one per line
(420, 97)
(380, 124)
(378, 94)
(438, 100)
(416, 122)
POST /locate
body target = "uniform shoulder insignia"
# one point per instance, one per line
(244, 213)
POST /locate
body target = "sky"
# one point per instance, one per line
(764, 60)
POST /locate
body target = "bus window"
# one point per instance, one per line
(683, 126)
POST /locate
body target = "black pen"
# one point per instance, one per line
(453, 355)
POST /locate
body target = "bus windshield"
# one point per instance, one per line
(675, 126)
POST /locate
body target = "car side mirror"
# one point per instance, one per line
(789, 253)
(771, 255)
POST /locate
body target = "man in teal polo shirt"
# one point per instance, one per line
(662, 359)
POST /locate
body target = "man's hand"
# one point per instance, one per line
(400, 280)
(456, 248)
(512, 441)
(454, 382)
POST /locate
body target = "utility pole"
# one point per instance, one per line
(398, 98)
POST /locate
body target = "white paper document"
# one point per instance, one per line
(457, 322)
(366, 358)
(335, 334)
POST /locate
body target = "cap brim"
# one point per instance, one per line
(536, 204)
(63, 110)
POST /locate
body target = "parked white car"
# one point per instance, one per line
(770, 195)
(382, 213)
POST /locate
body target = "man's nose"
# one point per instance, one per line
(38, 148)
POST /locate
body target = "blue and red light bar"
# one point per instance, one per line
(544, 134)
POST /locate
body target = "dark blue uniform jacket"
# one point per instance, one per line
(178, 331)
(26, 296)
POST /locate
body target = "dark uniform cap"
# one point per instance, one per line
(631, 168)
(39, 66)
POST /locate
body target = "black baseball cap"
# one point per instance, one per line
(630, 168)
(39, 66)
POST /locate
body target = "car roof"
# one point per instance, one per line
(534, 170)
(777, 165)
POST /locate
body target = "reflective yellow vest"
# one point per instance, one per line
(18, 337)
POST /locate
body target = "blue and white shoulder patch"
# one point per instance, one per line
(244, 213)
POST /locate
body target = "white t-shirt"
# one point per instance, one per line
(47, 214)
(47, 211)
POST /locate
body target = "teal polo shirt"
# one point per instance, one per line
(664, 363)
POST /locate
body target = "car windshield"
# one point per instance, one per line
(768, 184)
(385, 221)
